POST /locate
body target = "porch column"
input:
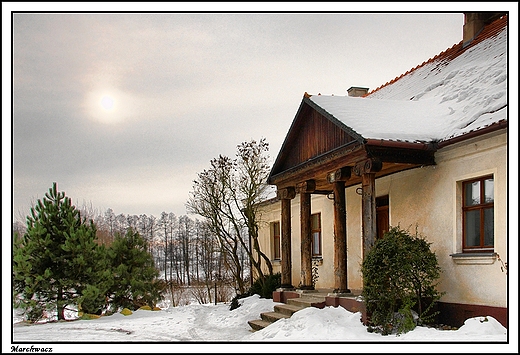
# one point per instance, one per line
(285, 196)
(305, 190)
(368, 206)
(367, 170)
(337, 179)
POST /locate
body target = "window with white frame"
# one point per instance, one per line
(478, 224)
(316, 234)
(275, 238)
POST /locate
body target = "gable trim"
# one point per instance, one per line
(308, 107)
(349, 149)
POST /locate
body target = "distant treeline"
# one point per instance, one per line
(184, 250)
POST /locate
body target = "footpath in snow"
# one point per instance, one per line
(197, 323)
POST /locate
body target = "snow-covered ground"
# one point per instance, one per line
(214, 328)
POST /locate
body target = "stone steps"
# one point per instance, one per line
(258, 324)
(283, 311)
(307, 301)
(287, 309)
(273, 316)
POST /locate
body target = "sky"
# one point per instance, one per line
(186, 329)
(123, 110)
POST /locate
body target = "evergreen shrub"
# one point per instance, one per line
(400, 276)
(133, 272)
(262, 287)
(265, 287)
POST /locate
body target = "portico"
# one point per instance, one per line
(323, 156)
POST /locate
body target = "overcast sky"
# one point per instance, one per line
(123, 110)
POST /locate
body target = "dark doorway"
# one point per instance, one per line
(382, 216)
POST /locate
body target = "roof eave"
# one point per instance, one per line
(399, 144)
(503, 124)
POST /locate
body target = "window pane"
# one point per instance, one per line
(489, 223)
(316, 243)
(472, 193)
(489, 193)
(473, 228)
(315, 221)
(275, 232)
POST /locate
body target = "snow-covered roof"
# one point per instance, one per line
(459, 91)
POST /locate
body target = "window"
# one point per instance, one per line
(275, 237)
(382, 216)
(316, 234)
(478, 222)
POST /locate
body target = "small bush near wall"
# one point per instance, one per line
(264, 288)
(400, 275)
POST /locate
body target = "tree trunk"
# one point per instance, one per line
(60, 307)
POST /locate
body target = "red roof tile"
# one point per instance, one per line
(487, 32)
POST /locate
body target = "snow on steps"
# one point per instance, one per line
(282, 311)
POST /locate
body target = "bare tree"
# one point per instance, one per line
(132, 221)
(172, 222)
(110, 219)
(251, 188)
(152, 231)
(208, 255)
(212, 199)
(227, 195)
(164, 225)
(185, 234)
(121, 224)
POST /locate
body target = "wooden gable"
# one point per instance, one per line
(313, 133)
(318, 143)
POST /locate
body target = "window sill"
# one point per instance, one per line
(318, 260)
(474, 258)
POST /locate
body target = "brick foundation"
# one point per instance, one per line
(350, 304)
(283, 296)
(455, 314)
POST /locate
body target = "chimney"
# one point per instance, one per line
(356, 91)
(474, 22)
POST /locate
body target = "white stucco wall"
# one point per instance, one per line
(319, 204)
(429, 198)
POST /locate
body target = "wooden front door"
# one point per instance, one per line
(382, 216)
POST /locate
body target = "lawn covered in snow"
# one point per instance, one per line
(225, 331)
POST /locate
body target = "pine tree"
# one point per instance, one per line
(135, 277)
(94, 277)
(57, 258)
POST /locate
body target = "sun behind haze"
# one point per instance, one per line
(105, 106)
(107, 102)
